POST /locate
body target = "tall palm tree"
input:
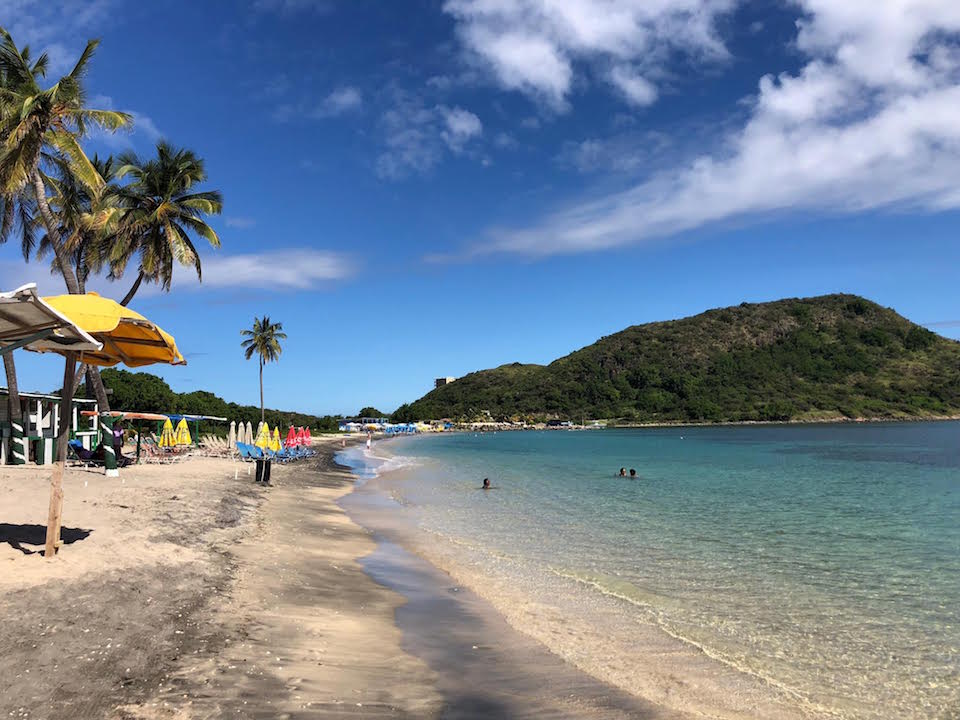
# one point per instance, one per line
(41, 124)
(161, 209)
(86, 219)
(264, 340)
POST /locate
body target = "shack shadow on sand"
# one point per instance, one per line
(16, 536)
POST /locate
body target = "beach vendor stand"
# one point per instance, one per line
(119, 335)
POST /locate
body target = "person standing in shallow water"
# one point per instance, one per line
(486, 484)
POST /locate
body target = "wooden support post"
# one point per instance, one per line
(55, 513)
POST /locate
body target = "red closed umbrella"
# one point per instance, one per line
(291, 440)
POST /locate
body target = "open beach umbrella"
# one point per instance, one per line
(182, 434)
(263, 437)
(291, 440)
(275, 442)
(127, 336)
(167, 437)
(232, 435)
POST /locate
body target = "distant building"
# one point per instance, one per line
(440, 382)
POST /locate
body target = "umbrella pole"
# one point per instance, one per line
(55, 513)
(139, 435)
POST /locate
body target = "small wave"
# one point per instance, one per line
(648, 601)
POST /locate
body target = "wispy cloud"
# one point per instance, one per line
(290, 269)
(416, 135)
(871, 121)
(239, 222)
(143, 127)
(340, 101)
(535, 47)
(43, 24)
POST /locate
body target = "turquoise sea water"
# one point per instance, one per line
(824, 559)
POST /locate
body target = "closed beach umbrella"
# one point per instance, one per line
(182, 434)
(259, 429)
(249, 436)
(263, 437)
(167, 438)
(291, 440)
(232, 437)
(275, 443)
(307, 437)
(300, 441)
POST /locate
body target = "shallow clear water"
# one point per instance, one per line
(824, 559)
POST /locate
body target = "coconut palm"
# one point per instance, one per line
(161, 210)
(264, 340)
(86, 221)
(38, 125)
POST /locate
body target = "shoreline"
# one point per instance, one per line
(679, 678)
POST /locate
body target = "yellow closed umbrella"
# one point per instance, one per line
(167, 437)
(127, 336)
(275, 445)
(182, 434)
(263, 437)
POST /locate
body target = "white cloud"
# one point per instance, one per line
(340, 101)
(636, 89)
(460, 126)
(279, 269)
(872, 121)
(239, 222)
(416, 136)
(533, 46)
(43, 24)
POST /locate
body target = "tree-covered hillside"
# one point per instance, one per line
(797, 359)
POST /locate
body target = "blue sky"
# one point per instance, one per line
(427, 189)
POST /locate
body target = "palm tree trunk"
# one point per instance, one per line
(261, 389)
(133, 291)
(15, 414)
(69, 277)
(53, 232)
(99, 392)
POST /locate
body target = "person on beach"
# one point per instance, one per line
(369, 441)
(486, 484)
(633, 474)
(623, 472)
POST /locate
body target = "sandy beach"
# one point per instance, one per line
(182, 592)
(186, 591)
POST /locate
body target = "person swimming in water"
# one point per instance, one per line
(486, 484)
(623, 472)
(633, 473)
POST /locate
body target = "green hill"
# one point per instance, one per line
(799, 359)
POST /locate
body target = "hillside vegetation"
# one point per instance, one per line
(143, 392)
(798, 359)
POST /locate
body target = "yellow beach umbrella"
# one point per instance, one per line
(263, 437)
(275, 444)
(167, 437)
(182, 434)
(127, 336)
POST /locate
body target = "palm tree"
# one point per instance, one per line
(264, 340)
(39, 125)
(86, 221)
(161, 209)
